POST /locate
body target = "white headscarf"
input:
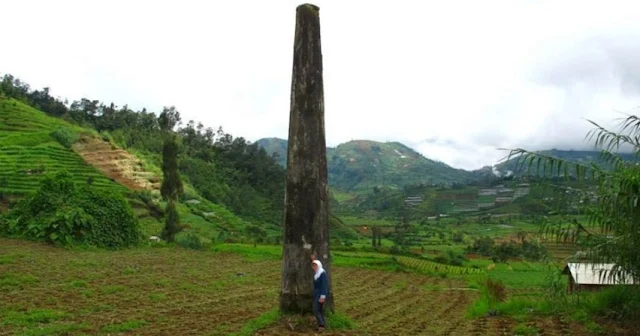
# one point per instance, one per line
(319, 271)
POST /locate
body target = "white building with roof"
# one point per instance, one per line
(591, 276)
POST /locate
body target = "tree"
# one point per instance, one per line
(611, 234)
(376, 239)
(171, 187)
(171, 184)
(257, 233)
(306, 226)
(169, 118)
(172, 222)
(373, 236)
(458, 237)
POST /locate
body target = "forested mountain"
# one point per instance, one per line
(363, 164)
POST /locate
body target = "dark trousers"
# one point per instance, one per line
(318, 311)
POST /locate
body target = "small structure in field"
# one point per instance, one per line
(593, 277)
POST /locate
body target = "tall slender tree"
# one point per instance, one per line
(306, 226)
(373, 236)
(171, 186)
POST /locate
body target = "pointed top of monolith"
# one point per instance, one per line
(308, 6)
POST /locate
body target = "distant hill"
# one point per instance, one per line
(584, 157)
(364, 164)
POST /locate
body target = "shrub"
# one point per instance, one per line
(65, 136)
(618, 302)
(106, 136)
(450, 257)
(190, 241)
(496, 291)
(145, 196)
(62, 213)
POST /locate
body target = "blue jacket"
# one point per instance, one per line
(320, 286)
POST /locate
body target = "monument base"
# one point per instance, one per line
(291, 303)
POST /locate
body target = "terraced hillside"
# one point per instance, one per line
(117, 164)
(33, 144)
(28, 150)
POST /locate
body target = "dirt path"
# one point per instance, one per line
(116, 163)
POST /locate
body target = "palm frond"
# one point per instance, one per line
(631, 125)
(608, 140)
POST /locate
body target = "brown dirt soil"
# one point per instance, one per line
(4, 205)
(174, 291)
(116, 163)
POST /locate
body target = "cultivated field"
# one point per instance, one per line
(28, 151)
(174, 291)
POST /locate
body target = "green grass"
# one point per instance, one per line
(124, 326)
(251, 253)
(34, 316)
(361, 221)
(10, 281)
(340, 321)
(260, 322)
(342, 196)
(523, 329)
(433, 268)
(28, 151)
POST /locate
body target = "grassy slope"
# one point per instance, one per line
(28, 152)
(26, 144)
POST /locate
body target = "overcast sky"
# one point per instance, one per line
(453, 79)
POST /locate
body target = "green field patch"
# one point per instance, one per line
(31, 317)
(436, 268)
(124, 326)
(10, 280)
(112, 289)
(56, 329)
(158, 297)
(11, 258)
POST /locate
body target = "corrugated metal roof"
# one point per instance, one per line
(596, 274)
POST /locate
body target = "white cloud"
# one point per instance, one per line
(474, 75)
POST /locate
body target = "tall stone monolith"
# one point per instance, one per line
(306, 226)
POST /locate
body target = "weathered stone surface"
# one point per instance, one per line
(306, 227)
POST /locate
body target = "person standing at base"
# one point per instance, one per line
(319, 293)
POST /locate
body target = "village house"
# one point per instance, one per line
(593, 277)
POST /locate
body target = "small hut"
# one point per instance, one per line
(593, 277)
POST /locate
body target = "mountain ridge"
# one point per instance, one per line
(365, 164)
(345, 173)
